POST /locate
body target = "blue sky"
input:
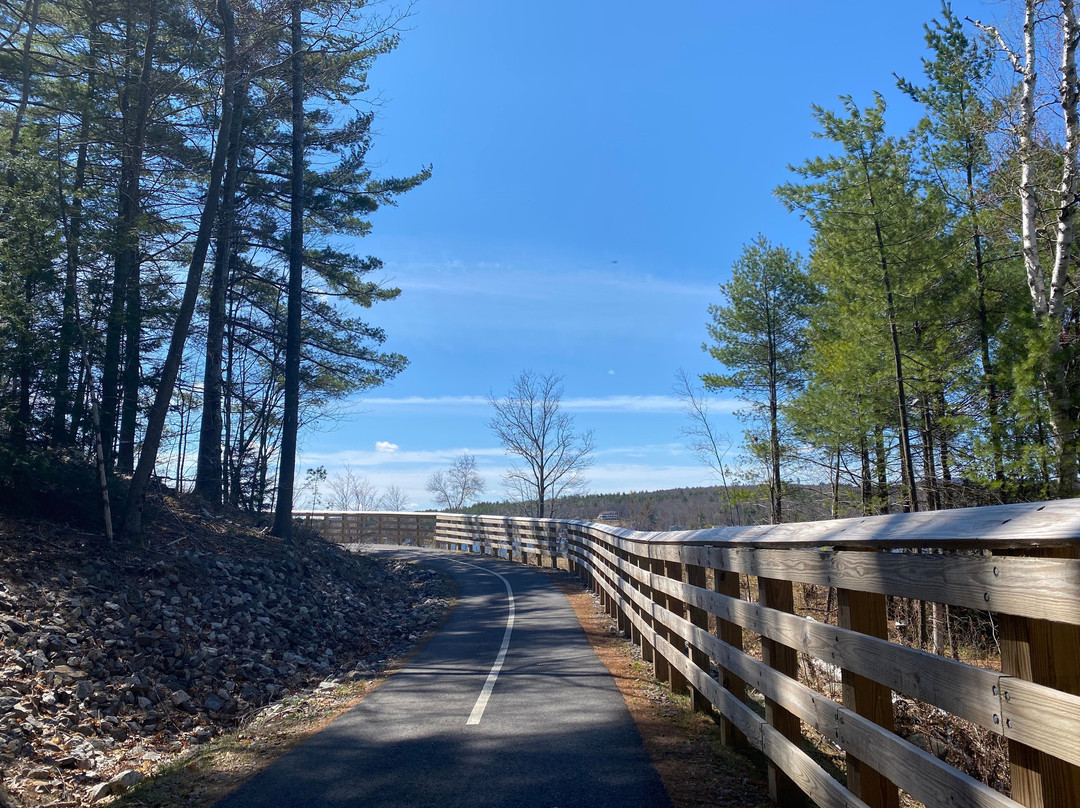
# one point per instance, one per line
(597, 168)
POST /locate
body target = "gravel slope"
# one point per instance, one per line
(114, 661)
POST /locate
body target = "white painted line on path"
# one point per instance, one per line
(485, 693)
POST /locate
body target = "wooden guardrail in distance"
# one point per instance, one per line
(366, 527)
(714, 611)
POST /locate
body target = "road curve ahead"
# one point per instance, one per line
(507, 705)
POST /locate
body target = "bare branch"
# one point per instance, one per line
(530, 425)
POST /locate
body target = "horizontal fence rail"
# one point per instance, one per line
(714, 612)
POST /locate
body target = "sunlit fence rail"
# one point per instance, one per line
(714, 612)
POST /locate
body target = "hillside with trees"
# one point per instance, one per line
(687, 508)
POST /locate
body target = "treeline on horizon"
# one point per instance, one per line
(687, 508)
(165, 163)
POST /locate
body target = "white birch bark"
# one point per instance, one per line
(1026, 67)
(1067, 192)
(1028, 199)
(1050, 308)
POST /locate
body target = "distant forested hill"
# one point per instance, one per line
(688, 508)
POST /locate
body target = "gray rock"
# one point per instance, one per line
(100, 792)
(126, 779)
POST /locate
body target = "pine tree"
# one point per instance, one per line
(758, 335)
(872, 224)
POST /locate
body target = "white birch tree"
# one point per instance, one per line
(1048, 221)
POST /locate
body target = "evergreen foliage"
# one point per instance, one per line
(130, 132)
(923, 378)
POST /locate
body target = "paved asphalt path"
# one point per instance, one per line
(554, 731)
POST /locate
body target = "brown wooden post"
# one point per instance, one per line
(1048, 654)
(611, 579)
(648, 653)
(676, 680)
(661, 668)
(727, 583)
(625, 625)
(695, 576)
(780, 595)
(865, 612)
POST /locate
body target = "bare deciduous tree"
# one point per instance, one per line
(348, 491)
(394, 500)
(530, 424)
(459, 485)
(709, 445)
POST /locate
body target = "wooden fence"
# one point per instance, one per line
(357, 527)
(694, 600)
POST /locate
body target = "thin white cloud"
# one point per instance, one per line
(367, 458)
(386, 447)
(645, 450)
(625, 404)
(632, 404)
(423, 401)
(496, 279)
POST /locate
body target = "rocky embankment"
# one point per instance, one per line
(112, 663)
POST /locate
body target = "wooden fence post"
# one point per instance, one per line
(636, 636)
(1046, 653)
(727, 583)
(695, 576)
(865, 612)
(780, 595)
(625, 624)
(676, 681)
(648, 653)
(661, 668)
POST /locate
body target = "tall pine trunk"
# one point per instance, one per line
(866, 485)
(63, 404)
(881, 462)
(132, 375)
(943, 451)
(989, 373)
(208, 474)
(907, 466)
(133, 133)
(283, 504)
(774, 435)
(163, 397)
